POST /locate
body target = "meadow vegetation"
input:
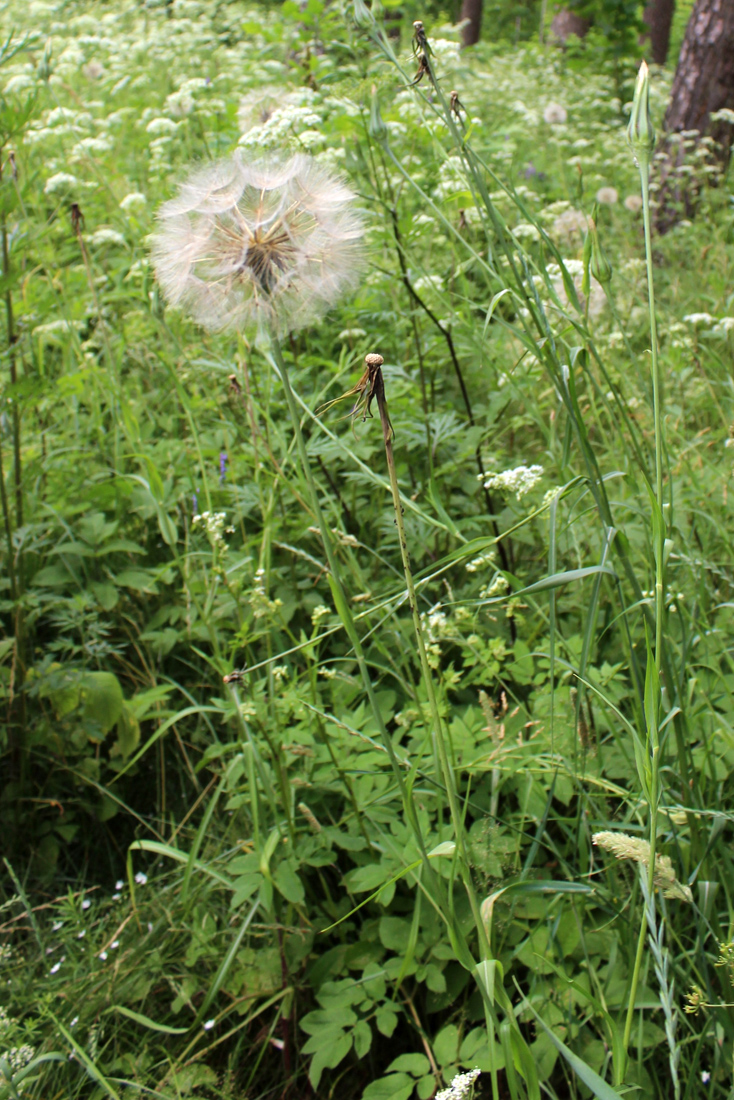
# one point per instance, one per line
(286, 811)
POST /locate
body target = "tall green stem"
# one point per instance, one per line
(659, 536)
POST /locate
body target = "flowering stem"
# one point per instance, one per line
(659, 548)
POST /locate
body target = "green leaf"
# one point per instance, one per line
(287, 883)
(590, 1078)
(102, 699)
(146, 1021)
(446, 1045)
(396, 1086)
(415, 1064)
(328, 1057)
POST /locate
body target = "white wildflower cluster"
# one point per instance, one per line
(106, 236)
(436, 623)
(461, 1088)
(135, 200)
(699, 319)
(480, 562)
(60, 182)
(498, 587)
(525, 231)
(213, 524)
(280, 674)
(283, 125)
(260, 603)
(320, 612)
(17, 1057)
(452, 179)
(445, 52)
(428, 282)
(520, 480)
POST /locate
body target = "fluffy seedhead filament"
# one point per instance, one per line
(260, 243)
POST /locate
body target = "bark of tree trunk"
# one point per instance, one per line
(658, 17)
(471, 10)
(704, 78)
(565, 23)
(703, 84)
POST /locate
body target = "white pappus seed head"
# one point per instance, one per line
(258, 243)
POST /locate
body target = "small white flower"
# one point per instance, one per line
(103, 955)
(158, 126)
(134, 201)
(519, 480)
(56, 925)
(607, 196)
(429, 282)
(74, 1022)
(697, 319)
(141, 878)
(62, 181)
(554, 113)
(209, 1025)
(82, 934)
(119, 884)
(86, 903)
(705, 1075)
(114, 944)
(462, 1086)
(104, 235)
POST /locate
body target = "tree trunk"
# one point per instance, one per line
(658, 17)
(704, 79)
(565, 23)
(471, 11)
(703, 84)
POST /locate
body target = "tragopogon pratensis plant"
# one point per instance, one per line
(253, 245)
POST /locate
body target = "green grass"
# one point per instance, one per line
(341, 891)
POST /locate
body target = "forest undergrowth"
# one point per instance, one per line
(368, 703)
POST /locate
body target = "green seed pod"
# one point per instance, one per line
(600, 267)
(640, 132)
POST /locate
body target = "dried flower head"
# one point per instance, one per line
(258, 243)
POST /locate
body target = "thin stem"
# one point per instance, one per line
(659, 529)
(342, 604)
(378, 390)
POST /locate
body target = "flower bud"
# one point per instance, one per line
(640, 132)
(363, 17)
(376, 126)
(600, 267)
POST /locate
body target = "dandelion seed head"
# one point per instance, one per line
(633, 203)
(554, 113)
(250, 244)
(607, 196)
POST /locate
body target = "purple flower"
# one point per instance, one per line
(196, 504)
(222, 467)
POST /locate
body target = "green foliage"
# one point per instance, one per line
(272, 923)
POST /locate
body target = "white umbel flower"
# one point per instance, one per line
(259, 243)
